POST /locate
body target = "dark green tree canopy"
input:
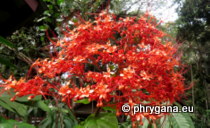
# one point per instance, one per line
(195, 18)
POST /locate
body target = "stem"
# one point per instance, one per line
(163, 122)
(73, 114)
(97, 111)
(57, 112)
(154, 124)
(21, 56)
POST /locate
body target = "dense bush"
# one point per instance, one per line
(111, 61)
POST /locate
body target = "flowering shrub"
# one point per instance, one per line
(111, 61)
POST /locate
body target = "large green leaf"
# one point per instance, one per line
(109, 109)
(68, 122)
(104, 120)
(181, 120)
(25, 98)
(83, 101)
(46, 123)
(6, 42)
(13, 124)
(19, 108)
(21, 99)
(145, 123)
(43, 106)
(165, 122)
(6, 106)
(176, 120)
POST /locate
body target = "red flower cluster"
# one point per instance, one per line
(111, 61)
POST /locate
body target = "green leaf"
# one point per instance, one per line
(181, 120)
(83, 101)
(25, 98)
(145, 123)
(46, 123)
(43, 106)
(6, 42)
(14, 124)
(68, 121)
(109, 109)
(14, 106)
(165, 122)
(125, 125)
(36, 98)
(21, 99)
(43, 27)
(104, 120)
(177, 120)
(60, 2)
(6, 106)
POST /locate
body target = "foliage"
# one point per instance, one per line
(57, 117)
(12, 124)
(104, 120)
(15, 107)
(173, 120)
(194, 32)
(30, 42)
(194, 21)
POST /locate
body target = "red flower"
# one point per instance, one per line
(112, 62)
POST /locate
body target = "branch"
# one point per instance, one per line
(103, 6)
(21, 56)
